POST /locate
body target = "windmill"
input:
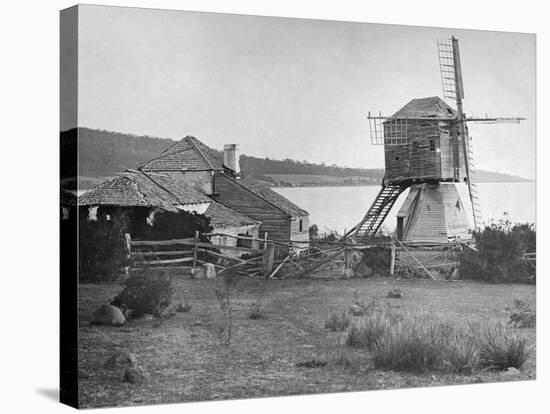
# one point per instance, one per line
(427, 149)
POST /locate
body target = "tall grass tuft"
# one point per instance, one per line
(423, 343)
(338, 321)
(500, 349)
(368, 331)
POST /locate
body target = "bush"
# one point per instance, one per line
(338, 321)
(102, 248)
(498, 258)
(146, 292)
(523, 316)
(501, 350)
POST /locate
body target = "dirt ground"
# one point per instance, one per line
(185, 358)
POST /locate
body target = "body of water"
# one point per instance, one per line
(339, 208)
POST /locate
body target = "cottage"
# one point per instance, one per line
(218, 175)
(144, 193)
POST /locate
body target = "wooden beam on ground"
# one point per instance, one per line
(322, 262)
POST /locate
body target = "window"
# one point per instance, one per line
(432, 145)
(396, 158)
(300, 226)
(243, 242)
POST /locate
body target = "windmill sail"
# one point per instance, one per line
(453, 89)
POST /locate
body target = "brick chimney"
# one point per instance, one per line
(231, 159)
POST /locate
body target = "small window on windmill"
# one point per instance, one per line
(457, 205)
(395, 132)
(432, 145)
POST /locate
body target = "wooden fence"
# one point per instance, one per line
(187, 254)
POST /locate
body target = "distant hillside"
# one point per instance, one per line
(104, 153)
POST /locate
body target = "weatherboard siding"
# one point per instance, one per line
(274, 221)
(251, 230)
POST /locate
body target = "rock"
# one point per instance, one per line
(363, 270)
(205, 271)
(133, 375)
(146, 317)
(209, 270)
(455, 275)
(395, 294)
(108, 315)
(347, 274)
(128, 313)
(121, 359)
(510, 372)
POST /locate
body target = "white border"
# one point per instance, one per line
(30, 158)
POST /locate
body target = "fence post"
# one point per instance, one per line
(348, 258)
(195, 249)
(392, 263)
(265, 240)
(129, 254)
(267, 261)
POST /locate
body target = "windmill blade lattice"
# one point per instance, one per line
(447, 69)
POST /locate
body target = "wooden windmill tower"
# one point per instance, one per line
(427, 149)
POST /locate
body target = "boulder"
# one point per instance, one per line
(147, 317)
(455, 275)
(121, 359)
(205, 271)
(133, 375)
(510, 372)
(108, 315)
(209, 270)
(198, 273)
(347, 274)
(395, 294)
(363, 270)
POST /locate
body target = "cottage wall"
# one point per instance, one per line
(296, 234)
(274, 221)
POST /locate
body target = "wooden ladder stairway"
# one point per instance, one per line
(377, 212)
(472, 187)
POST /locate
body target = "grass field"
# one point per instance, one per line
(185, 359)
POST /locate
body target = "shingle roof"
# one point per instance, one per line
(223, 217)
(430, 107)
(191, 154)
(187, 154)
(273, 197)
(68, 198)
(136, 188)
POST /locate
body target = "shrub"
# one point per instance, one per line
(338, 321)
(500, 349)
(149, 291)
(102, 248)
(523, 316)
(256, 311)
(498, 258)
(360, 308)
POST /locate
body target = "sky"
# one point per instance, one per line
(294, 88)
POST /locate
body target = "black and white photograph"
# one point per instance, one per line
(256, 206)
